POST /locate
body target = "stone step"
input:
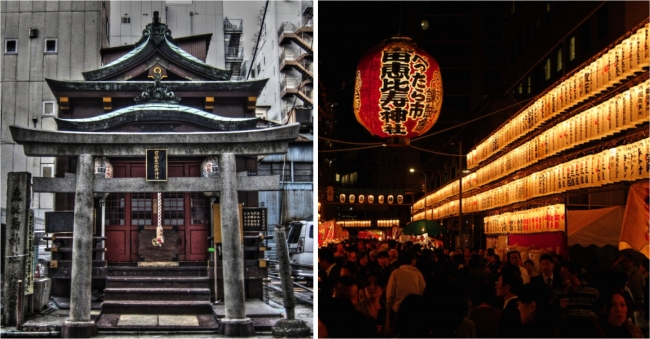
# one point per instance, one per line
(179, 271)
(157, 294)
(156, 307)
(155, 322)
(143, 282)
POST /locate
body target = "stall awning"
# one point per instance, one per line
(598, 227)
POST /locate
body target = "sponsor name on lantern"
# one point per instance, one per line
(405, 93)
(156, 165)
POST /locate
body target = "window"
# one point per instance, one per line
(173, 209)
(572, 48)
(50, 45)
(548, 7)
(11, 46)
(559, 60)
(141, 209)
(47, 170)
(547, 69)
(520, 88)
(126, 20)
(529, 88)
(49, 108)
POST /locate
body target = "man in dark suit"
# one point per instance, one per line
(329, 272)
(508, 286)
(548, 278)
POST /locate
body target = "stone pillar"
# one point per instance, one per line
(235, 322)
(79, 325)
(18, 203)
(289, 327)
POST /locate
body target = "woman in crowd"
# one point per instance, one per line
(362, 266)
(613, 314)
(372, 306)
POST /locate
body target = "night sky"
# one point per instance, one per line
(346, 30)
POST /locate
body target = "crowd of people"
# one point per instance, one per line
(388, 289)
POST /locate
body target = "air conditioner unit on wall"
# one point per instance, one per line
(33, 33)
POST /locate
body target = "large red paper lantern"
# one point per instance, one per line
(398, 90)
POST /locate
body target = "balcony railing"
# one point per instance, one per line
(289, 55)
(287, 27)
(307, 7)
(233, 25)
(290, 83)
(235, 52)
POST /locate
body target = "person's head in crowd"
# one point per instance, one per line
(467, 253)
(481, 252)
(614, 307)
(533, 300)
(489, 256)
(416, 248)
(408, 258)
(393, 255)
(382, 259)
(546, 264)
(643, 267)
(438, 255)
(391, 243)
(445, 251)
(373, 286)
(448, 303)
(411, 320)
(407, 245)
(347, 288)
(514, 258)
(362, 259)
(474, 261)
(628, 259)
(569, 270)
(325, 258)
(483, 294)
(372, 255)
(340, 248)
(361, 246)
(509, 282)
(370, 245)
(352, 253)
(529, 266)
(349, 270)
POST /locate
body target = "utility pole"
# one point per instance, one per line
(460, 190)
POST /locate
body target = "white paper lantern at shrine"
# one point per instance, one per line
(104, 168)
(210, 169)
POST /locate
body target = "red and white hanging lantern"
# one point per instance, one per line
(398, 90)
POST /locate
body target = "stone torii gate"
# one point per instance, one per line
(87, 145)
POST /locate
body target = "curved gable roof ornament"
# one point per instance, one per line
(156, 37)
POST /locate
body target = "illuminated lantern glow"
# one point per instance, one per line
(398, 90)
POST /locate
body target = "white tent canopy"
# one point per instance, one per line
(598, 227)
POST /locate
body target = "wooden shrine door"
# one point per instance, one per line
(185, 215)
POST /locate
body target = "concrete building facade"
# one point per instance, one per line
(43, 39)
